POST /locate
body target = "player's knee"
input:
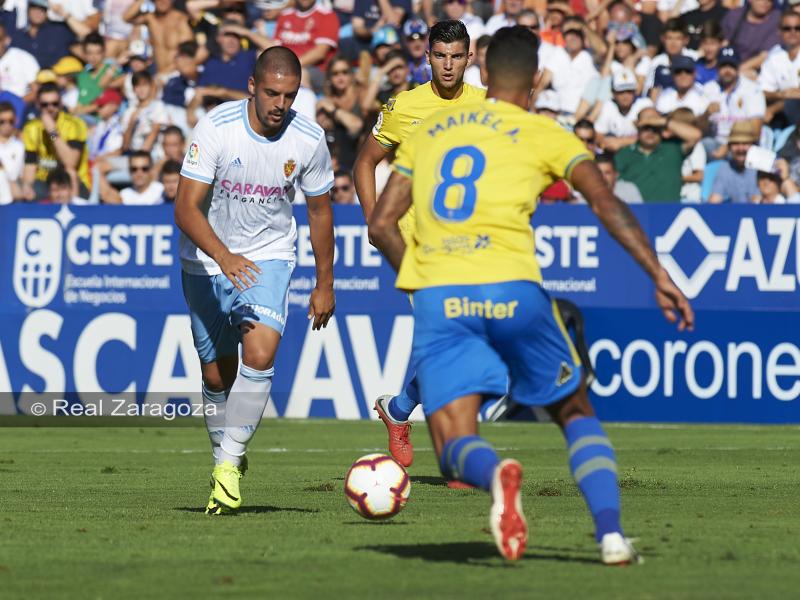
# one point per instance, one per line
(574, 406)
(258, 359)
(213, 381)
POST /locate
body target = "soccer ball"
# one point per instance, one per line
(377, 486)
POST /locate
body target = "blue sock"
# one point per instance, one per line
(470, 459)
(594, 467)
(401, 406)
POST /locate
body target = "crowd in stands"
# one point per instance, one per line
(681, 100)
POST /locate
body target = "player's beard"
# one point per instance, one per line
(270, 128)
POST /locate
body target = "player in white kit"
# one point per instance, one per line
(237, 251)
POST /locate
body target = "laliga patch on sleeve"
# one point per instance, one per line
(193, 156)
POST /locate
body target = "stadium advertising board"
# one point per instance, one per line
(92, 305)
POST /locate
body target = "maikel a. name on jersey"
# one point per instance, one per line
(480, 116)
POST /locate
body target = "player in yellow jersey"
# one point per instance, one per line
(448, 56)
(474, 173)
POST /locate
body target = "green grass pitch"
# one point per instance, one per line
(116, 512)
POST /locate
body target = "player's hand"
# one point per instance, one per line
(321, 306)
(671, 301)
(241, 271)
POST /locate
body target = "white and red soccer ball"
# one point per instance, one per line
(377, 486)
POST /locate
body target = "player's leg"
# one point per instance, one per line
(456, 369)
(594, 467)
(218, 377)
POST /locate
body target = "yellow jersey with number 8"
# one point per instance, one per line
(477, 172)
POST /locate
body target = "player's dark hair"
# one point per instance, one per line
(171, 167)
(173, 130)
(278, 60)
(141, 77)
(449, 31)
(140, 154)
(95, 39)
(675, 24)
(483, 42)
(7, 107)
(59, 176)
(512, 57)
(48, 88)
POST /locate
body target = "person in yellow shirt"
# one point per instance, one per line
(448, 55)
(55, 139)
(474, 173)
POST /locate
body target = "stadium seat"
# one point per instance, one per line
(708, 178)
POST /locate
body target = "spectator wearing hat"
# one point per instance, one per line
(674, 40)
(571, 82)
(776, 186)
(654, 162)
(96, 76)
(686, 92)
(415, 35)
(55, 138)
(780, 73)
(734, 182)
(732, 98)
(624, 190)
(12, 152)
(166, 25)
(711, 41)
(615, 124)
(106, 139)
(18, 68)
(65, 73)
(456, 10)
(752, 30)
(384, 40)
(553, 22)
(46, 40)
(311, 31)
(707, 10)
(507, 18)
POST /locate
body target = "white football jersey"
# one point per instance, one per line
(254, 180)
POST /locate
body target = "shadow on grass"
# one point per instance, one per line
(253, 509)
(480, 554)
(428, 480)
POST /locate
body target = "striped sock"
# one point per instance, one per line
(594, 467)
(402, 405)
(470, 459)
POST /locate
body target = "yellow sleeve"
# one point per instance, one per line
(389, 127)
(404, 159)
(31, 136)
(564, 152)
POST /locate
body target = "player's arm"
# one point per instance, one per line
(371, 154)
(383, 224)
(320, 224)
(192, 221)
(620, 222)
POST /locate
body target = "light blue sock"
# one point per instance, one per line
(214, 415)
(594, 467)
(401, 406)
(470, 459)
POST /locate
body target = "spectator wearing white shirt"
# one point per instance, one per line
(616, 124)
(143, 122)
(507, 18)
(686, 93)
(732, 99)
(12, 154)
(694, 165)
(457, 11)
(780, 73)
(668, 9)
(80, 16)
(145, 190)
(18, 68)
(570, 82)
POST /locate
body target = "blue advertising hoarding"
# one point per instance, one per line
(91, 303)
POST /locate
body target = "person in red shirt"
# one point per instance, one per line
(311, 31)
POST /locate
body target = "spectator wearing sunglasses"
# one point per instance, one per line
(344, 192)
(55, 139)
(780, 73)
(686, 93)
(144, 190)
(654, 162)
